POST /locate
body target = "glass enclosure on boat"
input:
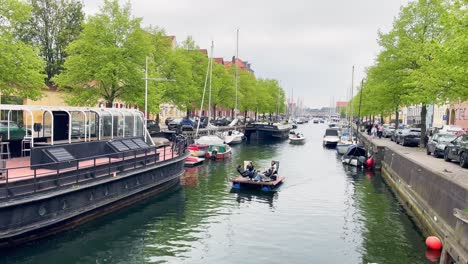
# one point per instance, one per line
(35, 125)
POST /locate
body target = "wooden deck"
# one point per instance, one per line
(19, 168)
(247, 181)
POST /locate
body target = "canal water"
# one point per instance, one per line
(324, 213)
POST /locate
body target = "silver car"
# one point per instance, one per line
(436, 145)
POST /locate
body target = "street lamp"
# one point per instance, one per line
(146, 92)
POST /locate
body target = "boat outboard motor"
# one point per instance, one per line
(213, 154)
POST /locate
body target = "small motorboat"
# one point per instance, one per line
(331, 137)
(193, 161)
(315, 121)
(198, 150)
(296, 138)
(322, 121)
(218, 151)
(355, 156)
(266, 183)
(233, 137)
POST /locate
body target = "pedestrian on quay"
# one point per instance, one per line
(374, 131)
(380, 131)
(369, 129)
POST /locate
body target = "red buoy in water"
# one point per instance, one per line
(369, 162)
(434, 243)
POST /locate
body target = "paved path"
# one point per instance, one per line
(451, 170)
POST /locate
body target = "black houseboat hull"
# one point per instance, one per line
(33, 217)
(266, 131)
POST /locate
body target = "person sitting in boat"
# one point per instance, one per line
(243, 173)
(250, 170)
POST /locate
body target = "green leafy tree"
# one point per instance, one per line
(20, 66)
(51, 27)
(107, 60)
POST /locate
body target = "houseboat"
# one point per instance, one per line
(74, 164)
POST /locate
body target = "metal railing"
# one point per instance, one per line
(14, 182)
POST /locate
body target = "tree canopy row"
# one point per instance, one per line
(423, 61)
(102, 57)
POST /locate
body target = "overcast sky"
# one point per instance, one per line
(309, 45)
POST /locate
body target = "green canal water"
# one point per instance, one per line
(323, 213)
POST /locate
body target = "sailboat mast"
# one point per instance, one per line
(211, 75)
(203, 97)
(237, 70)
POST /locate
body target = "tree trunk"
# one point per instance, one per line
(188, 113)
(245, 114)
(422, 141)
(381, 119)
(214, 112)
(397, 118)
(232, 113)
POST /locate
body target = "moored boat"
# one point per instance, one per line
(331, 137)
(85, 168)
(198, 150)
(193, 161)
(219, 151)
(355, 156)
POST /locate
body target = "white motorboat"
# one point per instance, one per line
(331, 137)
(233, 137)
(296, 138)
(342, 147)
(344, 144)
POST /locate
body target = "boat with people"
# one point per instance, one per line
(355, 156)
(331, 137)
(232, 137)
(296, 138)
(218, 151)
(77, 165)
(265, 180)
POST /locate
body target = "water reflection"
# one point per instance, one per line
(242, 196)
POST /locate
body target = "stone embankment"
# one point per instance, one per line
(433, 191)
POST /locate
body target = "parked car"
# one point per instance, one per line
(450, 129)
(221, 121)
(458, 150)
(388, 131)
(436, 145)
(168, 120)
(203, 121)
(174, 125)
(409, 137)
(152, 126)
(16, 131)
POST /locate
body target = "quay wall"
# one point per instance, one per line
(29, 218)
(429, 197)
